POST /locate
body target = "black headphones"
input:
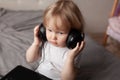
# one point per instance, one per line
(72, 39)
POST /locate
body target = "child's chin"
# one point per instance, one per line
(60, 46)
(57, 45)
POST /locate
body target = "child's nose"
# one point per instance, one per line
(54, 36)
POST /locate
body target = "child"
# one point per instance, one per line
(57, 61)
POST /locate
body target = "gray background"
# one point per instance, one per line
(95, 12)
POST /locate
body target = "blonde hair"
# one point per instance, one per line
(68, 12)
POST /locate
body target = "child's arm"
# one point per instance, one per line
(69, 71)
(32, 53)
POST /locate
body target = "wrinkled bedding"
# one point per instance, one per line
(16, 35)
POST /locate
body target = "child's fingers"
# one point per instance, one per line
(36, 37)
(81, 46)
(76, 47)
(36, 29)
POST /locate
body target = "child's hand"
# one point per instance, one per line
(75, 51)
(37, 41)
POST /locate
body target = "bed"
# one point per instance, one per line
(16, 35)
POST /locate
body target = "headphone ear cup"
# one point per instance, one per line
(74, 37)
(42, 33)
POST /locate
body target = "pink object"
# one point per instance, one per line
(114, 28)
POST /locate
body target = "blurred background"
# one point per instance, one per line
(95, 12)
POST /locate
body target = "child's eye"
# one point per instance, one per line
(49, 30)
(60, 32)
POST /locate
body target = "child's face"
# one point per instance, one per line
(55, 35)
